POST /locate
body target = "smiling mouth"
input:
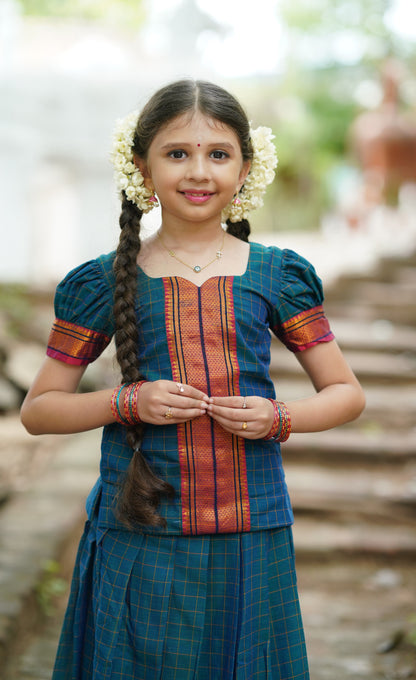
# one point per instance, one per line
(197, 196)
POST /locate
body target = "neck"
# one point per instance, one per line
(191, 240)
(197, 268)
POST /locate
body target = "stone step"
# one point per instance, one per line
(352, 446)
(375, 336)
(370, 366)
(361, 309)
(352, 611)
(368, 492)
(34, 527)
(387, 406)
(391, 406)
(378, 293)
(316, 539)
(407, 276)
(387, 270)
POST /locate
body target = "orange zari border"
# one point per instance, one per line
(75, 344)
(202, 344)
(306, 329)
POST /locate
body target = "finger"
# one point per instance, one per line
(232, 419)
(184, 403)
(183, 390)
(243, 428)
(233, 414)
(174, 416)
(231, 402)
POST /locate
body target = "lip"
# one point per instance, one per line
(197, 196)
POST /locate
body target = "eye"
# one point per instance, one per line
(219, 155)
(177, 154)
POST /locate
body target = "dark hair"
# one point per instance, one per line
(141, 490)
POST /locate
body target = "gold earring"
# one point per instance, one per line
(153, 200)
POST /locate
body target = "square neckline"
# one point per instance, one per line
(210, 278)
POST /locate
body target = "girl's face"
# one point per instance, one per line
(195, 166)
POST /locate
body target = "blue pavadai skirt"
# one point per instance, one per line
(151, 607)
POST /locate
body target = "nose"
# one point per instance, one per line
(198, 168)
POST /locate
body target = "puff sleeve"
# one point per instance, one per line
(84, 323)
(298, 319)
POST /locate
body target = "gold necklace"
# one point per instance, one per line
(196, 267)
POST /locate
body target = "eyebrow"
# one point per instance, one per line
(180, 145)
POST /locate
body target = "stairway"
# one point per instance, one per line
(354, 488)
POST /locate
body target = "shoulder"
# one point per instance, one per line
(91, 272)
(286, 261)
(279, 264)
(265, 256)
(85, 295)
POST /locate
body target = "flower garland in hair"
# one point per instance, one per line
(129, 179)
(127, 176)
(261, 174)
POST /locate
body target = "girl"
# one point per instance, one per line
(186, 567)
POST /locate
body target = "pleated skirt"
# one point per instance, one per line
(215, 607)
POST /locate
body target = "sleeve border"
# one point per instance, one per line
(75, 344)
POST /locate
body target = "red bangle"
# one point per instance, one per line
(273, 432)
(115, 405)
(126, 401)
(131, 414)
(287, 424)
(282, 424)
(133, 402)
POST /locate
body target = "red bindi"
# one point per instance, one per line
(198, 145)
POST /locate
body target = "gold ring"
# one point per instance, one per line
(168, 413)
(244, 403)
(180, 387)
(244, 426)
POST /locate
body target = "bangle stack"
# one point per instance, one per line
(282, 424)
(131, 414)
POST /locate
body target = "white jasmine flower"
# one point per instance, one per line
(261, 174)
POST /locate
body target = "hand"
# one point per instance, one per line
(164, 402)
(252, 422)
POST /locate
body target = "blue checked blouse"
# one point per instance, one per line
(215, 337)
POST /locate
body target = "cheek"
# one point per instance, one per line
(166, 181)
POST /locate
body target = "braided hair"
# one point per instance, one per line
(140, 489)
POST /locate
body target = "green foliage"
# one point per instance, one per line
(322, 16)
(411, 636)
(126, 12)
(15, 308)
(51, 587)
(311, 117)
(333, 47)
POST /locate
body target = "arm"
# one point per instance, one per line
(53, 406)
(339, 398)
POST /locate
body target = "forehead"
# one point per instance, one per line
(196, 127)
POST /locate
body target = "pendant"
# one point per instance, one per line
(197, 268)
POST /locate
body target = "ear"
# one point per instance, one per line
(141, 164)
(243, 174)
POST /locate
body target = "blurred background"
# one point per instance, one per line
(69, 68)
(336, 81)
